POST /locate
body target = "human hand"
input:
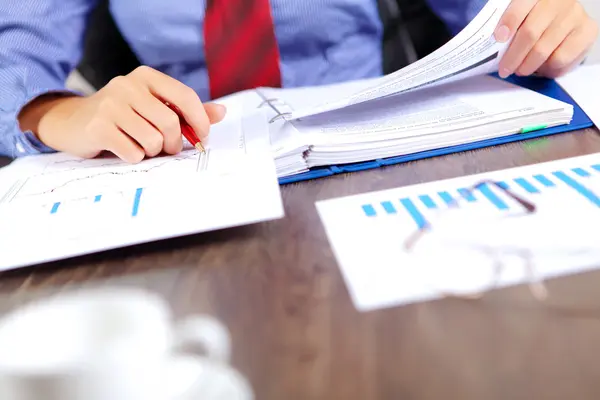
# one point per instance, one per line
(127, 117)
(550, 37)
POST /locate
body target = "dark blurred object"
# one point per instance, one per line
(105, 53)
(4, 161)
(411, 31)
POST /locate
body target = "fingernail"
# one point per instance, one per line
(504, 73)
(221, 110)
(502, 34)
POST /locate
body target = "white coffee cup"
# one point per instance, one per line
(114, 344)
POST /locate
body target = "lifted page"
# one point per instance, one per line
(474, 51)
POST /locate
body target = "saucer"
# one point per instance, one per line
(195, 378)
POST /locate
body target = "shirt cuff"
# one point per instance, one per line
(26, 142)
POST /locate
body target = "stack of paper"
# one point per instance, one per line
(460, 112)
(448, 98)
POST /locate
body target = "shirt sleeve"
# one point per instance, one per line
(40, 44)
(456, 14)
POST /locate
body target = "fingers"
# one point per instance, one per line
(122, 145)
(148, 137)
(175, 92)
(512, 19)
(555, 73)
(161, 118)
(129, 117)
(551, 38)
(135, 104)
(571, 51)
(549, 42)
(531, 29)
(215, 112)
(142, 116)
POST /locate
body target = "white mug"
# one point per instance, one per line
(114, 344)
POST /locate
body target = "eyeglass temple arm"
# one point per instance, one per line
(529, 206)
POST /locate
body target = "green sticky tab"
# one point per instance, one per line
(533, 128)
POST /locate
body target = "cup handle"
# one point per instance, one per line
(204, 335)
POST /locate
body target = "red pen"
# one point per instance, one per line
(186, 129)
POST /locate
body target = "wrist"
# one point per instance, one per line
(42, 116)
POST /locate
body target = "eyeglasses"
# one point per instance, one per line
(468, 268)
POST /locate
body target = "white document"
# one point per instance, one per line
(583, 85)
(444, 100)
(58, 206)
(457, 113)
(464, 244)
(466, 111)
(474, 51)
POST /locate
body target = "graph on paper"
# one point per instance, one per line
(368, 232)
(59, 194)
(65, 181)
(95, 201)
(581, 182)
(57, 206)
(66, 174)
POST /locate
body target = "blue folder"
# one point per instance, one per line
(544, 86)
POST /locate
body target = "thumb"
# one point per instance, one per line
(513, 17)
(215, 112)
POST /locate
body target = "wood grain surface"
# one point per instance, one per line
(296, 334)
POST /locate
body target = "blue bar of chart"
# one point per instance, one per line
(427, 201)
(369, 210)
(54, 209)
(524, 183)
(580, 188)
(388, 207)
(446, 197)
(573, 179)
(544, 181)
(136, 202)
(581, 172)
(468, 195)
(487, 192)
(503, 185)
(414, 212)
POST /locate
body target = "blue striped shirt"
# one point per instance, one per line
(320, 41)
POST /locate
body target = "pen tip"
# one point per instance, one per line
(199, 147)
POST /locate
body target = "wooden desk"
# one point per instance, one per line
(297, 335)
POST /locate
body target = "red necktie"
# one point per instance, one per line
(240, 46)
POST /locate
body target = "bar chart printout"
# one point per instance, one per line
(467, 232)
(93, 205)
(83, 206)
